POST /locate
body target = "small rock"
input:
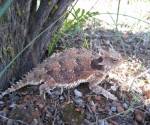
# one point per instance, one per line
(10, 122)
(149, 109)
(110, 112)
(93, 108)
(112, 122)
(120, 109)
(34, 122)
(57, 93)
(79, 102)
(40, 105)
(114, 88)
(51, 109)
(61, 98)
(88, 116)
(102, 122)
(125, 105)
(87, 122)
(113, 109)
(78, 93)
(139, 115)
(2, 113)
(13, 105)
(115, 103)
(1, 105)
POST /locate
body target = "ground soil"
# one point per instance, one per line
(79, 106)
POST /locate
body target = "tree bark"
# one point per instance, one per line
(22, 23)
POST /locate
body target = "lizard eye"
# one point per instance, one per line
(100, 59)
(96, 64)
(114, 60)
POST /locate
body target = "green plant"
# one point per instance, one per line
(72, 26)
(53, 43)
(86, 43)
(79, 18)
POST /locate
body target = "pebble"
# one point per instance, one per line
(51, 109)
(1, 105)
(139, 115)
(13, 105)
(87, 122)
(57, 93)
(113, 108)
(112, 122)
(2, 113)
(61, 98)
(78, 93)
(93, 106)
(149, 109)
(102, 122)
(125, 105)
(120, 109)
(89, 116)
(10, 122)
(110, 112)
(114, 88)
(34, 122)
(79, 102)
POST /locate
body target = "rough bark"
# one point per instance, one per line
(22, 23)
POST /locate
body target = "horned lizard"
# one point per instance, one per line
(70, 68)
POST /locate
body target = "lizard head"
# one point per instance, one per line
(106, 60)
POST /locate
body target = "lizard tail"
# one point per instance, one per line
(13, 88)
(28, 79)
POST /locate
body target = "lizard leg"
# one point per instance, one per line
(45, 88)
(94, 87)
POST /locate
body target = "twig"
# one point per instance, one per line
(131, 82)
(117, 14)
(127, 16)
(93, 5)
(55, 113)
(123, 45)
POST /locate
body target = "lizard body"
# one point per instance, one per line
(70, 68)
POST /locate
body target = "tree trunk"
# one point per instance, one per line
(22, 23)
